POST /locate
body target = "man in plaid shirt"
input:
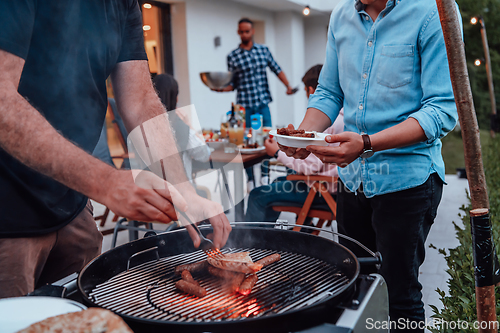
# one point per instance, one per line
(249, 62)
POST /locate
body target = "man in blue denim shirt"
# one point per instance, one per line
(386, 64)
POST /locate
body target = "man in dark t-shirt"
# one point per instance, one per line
(55, 57)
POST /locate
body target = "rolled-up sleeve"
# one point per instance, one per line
(438, 114)
(133, 36)
(16, 26)
(328, 97)
(231, 66)
(273, 65)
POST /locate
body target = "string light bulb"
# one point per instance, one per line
(473, 20)
(146, 27)
(477, 62)
(147, 6)
(306, 11)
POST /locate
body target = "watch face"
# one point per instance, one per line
(366, 154)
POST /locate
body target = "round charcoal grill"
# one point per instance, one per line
(137, 281)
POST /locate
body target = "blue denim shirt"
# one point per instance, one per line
(382, 73)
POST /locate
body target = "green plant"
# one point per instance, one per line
(460, 304)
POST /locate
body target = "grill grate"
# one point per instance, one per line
(148, 290)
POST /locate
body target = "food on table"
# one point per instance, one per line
(236, 135)
(249, 146)
(237, 262)
(269, 260)
(90, 320)
(186, 276)
(190, 288)
(223, 130)
(297, 133)
(196, 267)
(247, 284)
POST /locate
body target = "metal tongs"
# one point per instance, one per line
(206, 244)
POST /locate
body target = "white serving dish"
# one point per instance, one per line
(298, 142)
(21, 312)
(251, 150)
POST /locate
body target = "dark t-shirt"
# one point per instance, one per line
(70, 48)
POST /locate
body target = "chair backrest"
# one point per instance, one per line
(306, 210)
(120, 131)
(101, 150)
(118, 125)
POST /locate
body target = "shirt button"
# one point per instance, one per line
(367, 17)
(360, 106)
(370, 44)
(362, 161)
(365, 76)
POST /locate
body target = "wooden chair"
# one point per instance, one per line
(325, 213)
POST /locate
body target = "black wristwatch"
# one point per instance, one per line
(276, 154)
(367, 149)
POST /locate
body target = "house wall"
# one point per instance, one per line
(195, 24)
(290, 46)
(315, 36)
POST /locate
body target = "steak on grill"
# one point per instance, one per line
(236, 262)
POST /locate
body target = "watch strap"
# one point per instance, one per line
(367, 144)
(367, 147)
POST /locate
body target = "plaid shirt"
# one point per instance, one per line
(250, 78)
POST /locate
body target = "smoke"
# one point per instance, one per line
(175, 161)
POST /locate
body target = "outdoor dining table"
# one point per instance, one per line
(219, 159)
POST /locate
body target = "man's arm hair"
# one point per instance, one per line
(139, 104)
(29, 137)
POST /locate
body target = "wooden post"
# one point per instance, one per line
(485, 295)
(489, 75)
(463, 99)
(484, 269)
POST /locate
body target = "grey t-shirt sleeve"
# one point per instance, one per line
(133, 38)
(17, 19)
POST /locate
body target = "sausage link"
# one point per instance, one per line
(186, 276)
(192, 268)
(269, 259)
(235, 282)
(190, 288)
(232, 279)
(247, 284)
(222, 273)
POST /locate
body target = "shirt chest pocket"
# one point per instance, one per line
(396, 66)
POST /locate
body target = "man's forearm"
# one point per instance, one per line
(403, 134)
(315, 120)
(28, 136)
(283, 79)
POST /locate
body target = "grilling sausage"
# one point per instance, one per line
(222, 273)
(190, 288)
(186, 276)
(233, 279)
(247, 284)
(235, 282)
(266, 261)
(196, 267)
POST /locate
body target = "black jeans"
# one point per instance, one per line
(396, 225)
